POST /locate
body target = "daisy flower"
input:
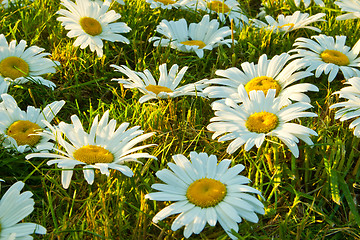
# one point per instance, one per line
(290, 23)
(164, 4)
(351, 108)
(91, 22)
(20, 65)
(104, 147)
(328, 56)
(205, 191)
(259, 116)
(227, 9)
(276, 73)
(166, 87)
(350, 6)
(14, 207)
(196, 38)
(20, 127)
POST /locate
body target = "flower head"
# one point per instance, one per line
(350, 6)
(225, 9)
(290, 23)
(104, 147)
(328, 56)
(276, 73)
(205, 191)
(14, 207)
(91, 22)
(164, 4)
(351, 108)
(259, 116)
(166, 87)
(20, 128)
(196, 38)
(19, 65)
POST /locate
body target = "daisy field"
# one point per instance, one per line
(138, 148)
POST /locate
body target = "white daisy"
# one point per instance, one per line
(205, 191)
(307, 3)
(164, 4)
(91, 22)
(276, 73)
(196, 38)
(328, 56)
(19, 127)
(351, 108)
(14, 207)
(166, 87)
(227, 9)
(350, 6)
(20, 65)
(289, 23)
(257, 117)
(104, 147)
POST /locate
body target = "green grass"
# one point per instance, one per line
(313, 197)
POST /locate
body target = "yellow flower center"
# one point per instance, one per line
(157, 89)
(21, 131)
(92, 154)
(263, 83)
(218, 6)
(262, 122)
(166, 2)
(199, 43)
(336, 57)
(206, 192)
(13, 67)
(287, 25)
(91, 26)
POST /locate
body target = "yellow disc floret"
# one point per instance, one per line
(13, 67)
(262, 122)
(157, 89)
(198, 43)
(166, 2)
(263, 83)
(92, 154)
(218, 6)
(22, 132)
(206, 192)
(335, 57)
(91, 26)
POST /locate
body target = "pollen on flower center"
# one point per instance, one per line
(262, 122)
(13, 67)
(166, 2)
(21, 131)
(92, 154)
(198, 43)
(157, 89)
(91, 26)
(263, 83)
(290, 25)
(206, 192)
(336, 57)
(218, 6)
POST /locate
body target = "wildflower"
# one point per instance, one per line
(91, 22)
(259, 116)
(104, 147)
(205, 191)
(20, 128)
